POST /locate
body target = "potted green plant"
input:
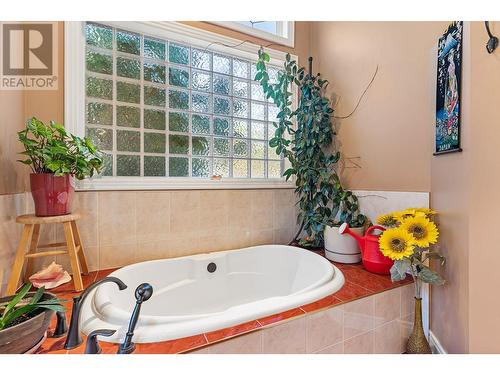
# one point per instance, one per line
(309, 147)
(24, 319)
(55, 158)
(340, 248)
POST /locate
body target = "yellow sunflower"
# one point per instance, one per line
(387, 220)
(423, 230)
(422, 211)
(400, 216)
(396, 243)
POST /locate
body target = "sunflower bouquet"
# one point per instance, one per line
(409, 241)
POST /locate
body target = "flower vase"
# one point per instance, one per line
(417, 342)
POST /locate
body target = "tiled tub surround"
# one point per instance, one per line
(370, 314)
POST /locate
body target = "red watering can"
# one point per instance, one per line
(373, 259)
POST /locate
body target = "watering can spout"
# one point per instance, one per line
(344, 229)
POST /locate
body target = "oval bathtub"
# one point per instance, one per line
(247, 284)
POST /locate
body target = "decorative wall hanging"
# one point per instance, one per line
(448, 92)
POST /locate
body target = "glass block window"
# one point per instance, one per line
(159, 108)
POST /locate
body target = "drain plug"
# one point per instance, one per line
(211, 267)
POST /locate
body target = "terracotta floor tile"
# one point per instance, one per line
(172, 346)
(368, 280)
(232, 331)
(322, 303)
(103, 273)
(350, 292)
(280, 316)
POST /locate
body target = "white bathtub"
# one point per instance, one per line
(248, 284)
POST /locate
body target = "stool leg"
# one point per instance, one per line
(81, 252)
(35, 237)
(73, 257)
(19, 261)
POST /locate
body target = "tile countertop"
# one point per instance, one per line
(359, 283)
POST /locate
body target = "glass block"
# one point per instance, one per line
(154, 166)
(128, 165)
(154, 73)
(274, 169)
(179, 99)
(222, 64)
(222, 106)
(128, 116)
(273, 75)
(258, 92)
(154, 49)
(240, 88)
(221, 84)
(200, 124)
(154, 119)
(178, 167)
(201, 102)
(258, 150)
(129, 68)
(154, 143)
(178, 54)
(221, 126)
(240, 147)
(200, 59)
(258, 111)
(127, 140)
(272, 113)
(240, 108)
(99, 88)
(201, 145)
(258, 169)
(178, 122)
(107, 165)
(154, 96)
(99, 36)
(178, 77)
(128, 92)
(271, 153)
(128, 42)
(240, 128)
(201, 80)
(101, 138)
(253, 71)
(221, 167)
(221, 146)
(201, 167)
(178, 144)
(258, 130)
(99, 62)
(240, 168)
(271, 129)
(240, 68)
(99, 113)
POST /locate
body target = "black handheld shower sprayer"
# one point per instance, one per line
(493, 41)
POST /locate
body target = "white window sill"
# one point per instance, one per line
(154, 183)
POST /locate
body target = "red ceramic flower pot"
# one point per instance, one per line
(52, 194)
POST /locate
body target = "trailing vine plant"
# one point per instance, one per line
(322, 199)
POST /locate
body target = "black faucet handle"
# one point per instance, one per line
(92, 346)
(61, 325)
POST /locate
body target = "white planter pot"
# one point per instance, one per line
(342, 248)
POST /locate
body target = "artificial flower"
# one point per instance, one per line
(423, 230)
(387, 220)
(396, 243)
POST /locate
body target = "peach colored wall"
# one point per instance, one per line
(15, 108)
(391, 131)
(484, 179)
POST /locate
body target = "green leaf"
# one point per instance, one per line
(429, 276)
(399, 269)
(18, 297)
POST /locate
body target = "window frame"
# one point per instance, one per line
(288, 40)
(74, 103)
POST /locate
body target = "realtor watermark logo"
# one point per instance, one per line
(28, 56)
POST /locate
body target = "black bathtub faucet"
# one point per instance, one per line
(142, 294)
(74, 338)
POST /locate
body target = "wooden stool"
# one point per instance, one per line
(29, 242)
